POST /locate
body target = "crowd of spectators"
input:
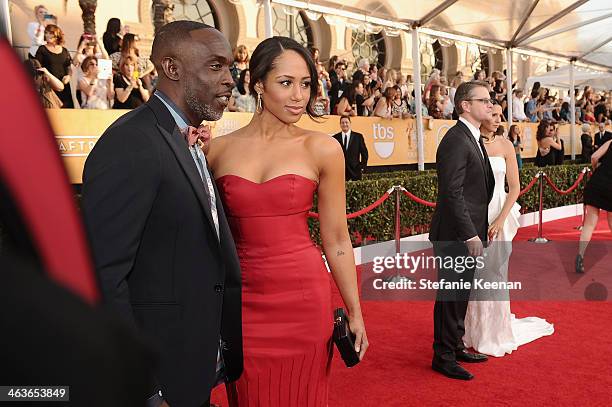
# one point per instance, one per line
(359, 88)
(96, 76)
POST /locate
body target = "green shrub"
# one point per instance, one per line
(379, 224)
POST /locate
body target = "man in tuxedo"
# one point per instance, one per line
(354, 148)
(339, 85)
(602, 135)
(459, 224)
(161, 242)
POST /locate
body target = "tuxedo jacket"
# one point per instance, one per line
(355, 156)
(335, 89)
(601, 139)
(51, 336)
(465, 188)
(157, 254)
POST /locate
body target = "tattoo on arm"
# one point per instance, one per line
(339, 253)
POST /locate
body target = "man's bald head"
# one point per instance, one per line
(171, 39)
(193, 61)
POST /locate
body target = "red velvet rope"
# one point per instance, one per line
(363, 211)
(567, 191)
(529, 186)
(417, 199)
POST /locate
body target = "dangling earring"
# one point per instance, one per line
(259, 107)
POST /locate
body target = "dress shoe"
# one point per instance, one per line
(452, 370)
(579, 264)
(465, 356)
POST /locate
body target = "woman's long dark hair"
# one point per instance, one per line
(240, 84)
(113, 26)
(129, 42)
(511, 133)
(264, 59)
(542, 129)
(41, 82)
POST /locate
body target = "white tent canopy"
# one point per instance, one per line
(565, 29)
(560, 78)
(575, 31)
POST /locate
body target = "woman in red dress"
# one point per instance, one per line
(267, 174)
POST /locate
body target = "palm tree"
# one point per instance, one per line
(89, 15)
(162, 13)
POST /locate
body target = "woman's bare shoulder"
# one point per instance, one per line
(219, 145)
(506, 144)
(321, 144)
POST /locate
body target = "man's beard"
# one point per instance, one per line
(202, 110)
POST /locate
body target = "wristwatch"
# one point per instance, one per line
(155, 400)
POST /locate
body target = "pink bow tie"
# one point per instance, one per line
(194, 135)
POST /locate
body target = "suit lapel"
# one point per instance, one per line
(489, 177)
(475, 145)
(185, 159)
(484, 157)
(351, 138)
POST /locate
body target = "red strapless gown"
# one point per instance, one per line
(287, 318)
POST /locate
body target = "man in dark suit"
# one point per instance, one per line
(162, 246)
(339, 85)
(602, 135)
(354, 148)
(53, 332)
(459, 224)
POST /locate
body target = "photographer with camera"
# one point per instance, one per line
(36, 29)
(89, 46)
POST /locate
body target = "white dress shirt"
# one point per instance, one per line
(475, 133)
(518, 109)
(346, 139)
(200, 160)
(36, 32)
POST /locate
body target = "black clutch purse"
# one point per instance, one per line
(344, 338)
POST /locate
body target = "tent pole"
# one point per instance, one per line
(572, 109)
(5, 21)
(509, 94)
(416, 73)
(267, 8)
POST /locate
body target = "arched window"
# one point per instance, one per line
(438, 55)
(428, 57)
(292, 23)
(369, 46)
(484, 60)
(477, 58)
(195, 10)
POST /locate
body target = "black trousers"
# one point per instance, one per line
(451, 304)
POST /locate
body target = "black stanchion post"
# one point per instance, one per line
(540, 238)
(398, 226)
(397, 277)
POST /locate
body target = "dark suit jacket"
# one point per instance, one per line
(587, 147)
(51, 337)
(155, 248)
(600, 140)
(465, 188)
(355, 157)
(336, 87)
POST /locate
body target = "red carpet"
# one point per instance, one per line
(565, 229)
(569, 368)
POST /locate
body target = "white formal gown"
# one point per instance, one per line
(490, 327)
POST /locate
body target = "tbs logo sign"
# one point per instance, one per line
(383, 140)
